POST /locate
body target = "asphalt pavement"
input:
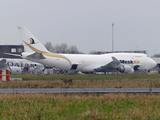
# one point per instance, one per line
(83, 90)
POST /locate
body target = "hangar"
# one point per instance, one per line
(13, 49)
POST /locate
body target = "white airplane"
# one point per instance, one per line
(17, 66)
(114, 62)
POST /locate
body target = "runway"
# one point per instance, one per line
(83, 90)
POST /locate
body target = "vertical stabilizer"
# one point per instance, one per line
(30, 42)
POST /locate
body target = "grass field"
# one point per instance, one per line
(85, 81)
(119, 106)
(80, 107)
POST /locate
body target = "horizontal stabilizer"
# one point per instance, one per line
(13, 54)
(36, 56)
(3, 64)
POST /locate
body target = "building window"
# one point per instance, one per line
(13, 50)
(19, 50)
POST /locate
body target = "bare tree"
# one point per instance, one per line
(57, 48)
(49, 46)
(93, 52)
(64, 48)
(73, 50)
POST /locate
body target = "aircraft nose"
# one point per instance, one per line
(153, 63)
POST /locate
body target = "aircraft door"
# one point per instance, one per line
(74, 66)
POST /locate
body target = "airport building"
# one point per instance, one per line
(134, 51)
(13, 49)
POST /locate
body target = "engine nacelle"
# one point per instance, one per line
(28, 69)
(15, 70)
(126, 69)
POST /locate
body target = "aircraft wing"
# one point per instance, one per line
(3, 64)
(112, 66)
(36, 55)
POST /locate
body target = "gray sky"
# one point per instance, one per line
(84, 23)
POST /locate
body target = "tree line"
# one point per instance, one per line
(61, 48)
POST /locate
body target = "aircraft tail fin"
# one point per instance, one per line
(3, 64)
(30, 42)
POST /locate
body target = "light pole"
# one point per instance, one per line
(112, 37)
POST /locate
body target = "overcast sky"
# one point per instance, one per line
(84, 23)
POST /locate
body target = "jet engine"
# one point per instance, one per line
(126, 69)
(15, 70)
(28, 69)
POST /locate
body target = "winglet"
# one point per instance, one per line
(115, 61)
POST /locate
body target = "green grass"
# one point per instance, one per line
(85, 81)
(79, 107)
(88, 77)
(120, 106)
